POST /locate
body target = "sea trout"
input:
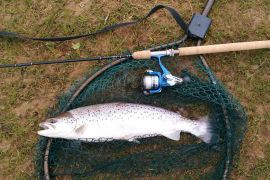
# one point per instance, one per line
(123, 121)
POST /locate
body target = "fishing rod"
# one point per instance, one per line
(148, 54)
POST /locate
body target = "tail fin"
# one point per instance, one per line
(206, 130)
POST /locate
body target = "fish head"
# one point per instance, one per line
(58, 127)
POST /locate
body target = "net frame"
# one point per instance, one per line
(231, 146)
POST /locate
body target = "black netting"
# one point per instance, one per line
(153, 156)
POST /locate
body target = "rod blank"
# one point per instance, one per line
(61, 61)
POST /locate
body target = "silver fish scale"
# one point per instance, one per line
(125, 114)
(124, 121)
(119, 111)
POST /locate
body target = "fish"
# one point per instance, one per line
(124, 121)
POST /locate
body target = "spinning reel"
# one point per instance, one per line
(153, 81)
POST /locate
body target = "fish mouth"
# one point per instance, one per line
(46, 126)
(48, 129)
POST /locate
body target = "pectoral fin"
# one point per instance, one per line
(175, 135)
(81, 129)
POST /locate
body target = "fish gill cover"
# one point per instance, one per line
(157, 156)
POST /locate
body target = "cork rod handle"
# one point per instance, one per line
(208, 49)
(218, 48)
(146, 54)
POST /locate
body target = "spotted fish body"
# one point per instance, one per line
(123, 121)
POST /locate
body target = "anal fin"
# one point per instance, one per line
(134, 140)
(175, 135)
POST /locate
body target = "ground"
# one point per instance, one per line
(27, 93)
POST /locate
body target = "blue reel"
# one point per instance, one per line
(153, 81)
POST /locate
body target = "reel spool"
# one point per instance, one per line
(154, 81)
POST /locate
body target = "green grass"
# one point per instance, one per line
(27, 93)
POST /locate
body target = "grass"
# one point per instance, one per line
(27, 93)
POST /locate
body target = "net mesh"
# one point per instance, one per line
(153, 156)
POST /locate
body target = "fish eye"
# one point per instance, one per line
(52, 121)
